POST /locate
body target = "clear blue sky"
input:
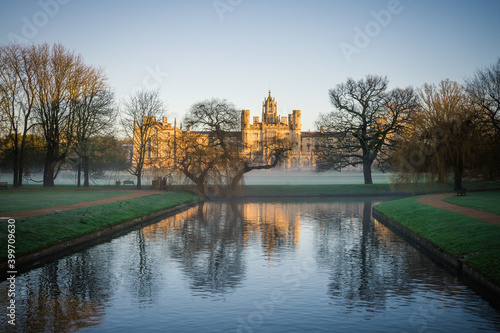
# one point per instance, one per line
(239, 49)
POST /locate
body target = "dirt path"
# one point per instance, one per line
(437, 201)
(135, 194)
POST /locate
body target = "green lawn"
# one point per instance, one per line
(488, 201)
(332, 189)
(457, 234)
(42, 231)
(22, 200)
(352, 189)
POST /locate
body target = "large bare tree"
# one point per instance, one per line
(17, 95)
(139, 121)
(220, 123)
(57, 75)
(196, 158)
(365, 119)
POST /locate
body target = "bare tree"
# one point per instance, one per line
(220, 122)
(9, 90)
(275, 150)
(484, 89)
(94, 115)
(139, 122)
(57, 75)
(18, 92)
(196, 158)
(365, 120)
(52, 88)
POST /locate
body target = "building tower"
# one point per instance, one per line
(245, 119)
(297, 124)
(270, 110)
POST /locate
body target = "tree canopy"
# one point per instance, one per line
(365, 120)
(51, 91)
(443, 138)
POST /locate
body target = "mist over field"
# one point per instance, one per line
(267, 177)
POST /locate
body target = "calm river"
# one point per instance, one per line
(269, 266)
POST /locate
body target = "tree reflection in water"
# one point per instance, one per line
(367, 263)
(209, 248)
(63, 296)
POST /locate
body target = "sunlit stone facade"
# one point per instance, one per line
(271, 126)
(162, 152)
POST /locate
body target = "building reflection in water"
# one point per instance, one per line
(276, 224)
(208, 240)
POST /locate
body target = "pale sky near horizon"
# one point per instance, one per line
(239, 49)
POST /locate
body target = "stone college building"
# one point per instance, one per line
(161, 152)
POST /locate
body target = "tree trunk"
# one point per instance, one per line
(21, 166)
(15, 161)
(21, 151)
(48, 173)
(367, 171)
(21, 170)
(459, 170)
(50, 167)
(15, 168)
(201, 189)
(139, 174)
(236, 181)
(86, 177)
(79, 173)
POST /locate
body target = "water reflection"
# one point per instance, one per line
(62, 297)
(276, 224)
(209, 248)
(364, 263)
(204, 269)
(208, 241)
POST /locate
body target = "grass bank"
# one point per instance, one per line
(18, 200)
(488, 201)
(43, 231)
(333, 189)
(475, 241)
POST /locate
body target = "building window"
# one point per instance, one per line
(256, 135)
(256, 144)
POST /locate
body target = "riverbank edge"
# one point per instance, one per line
(326, 195)
(38, 258)
(473, 277)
